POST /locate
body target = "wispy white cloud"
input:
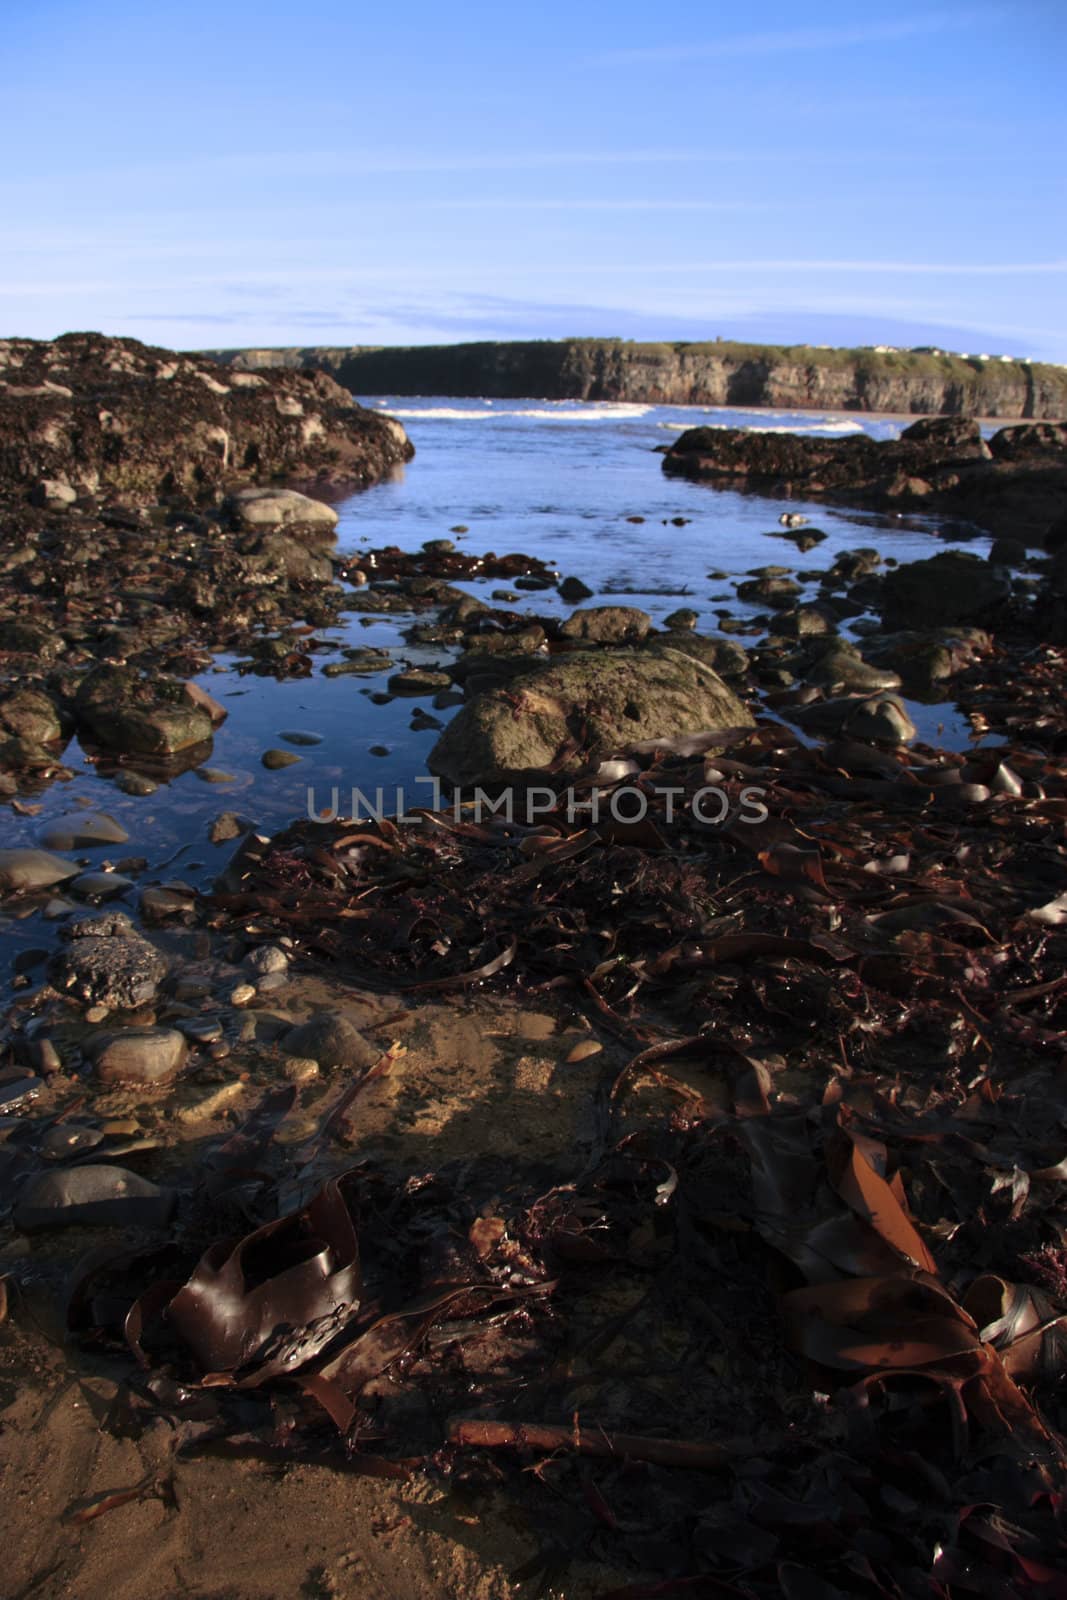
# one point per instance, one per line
(961, 269)
(547, 203)
(785, 41)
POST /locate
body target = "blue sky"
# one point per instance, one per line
(251, 172)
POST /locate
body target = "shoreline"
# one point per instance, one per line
(494, 1112)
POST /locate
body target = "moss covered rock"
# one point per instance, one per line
(582, 706)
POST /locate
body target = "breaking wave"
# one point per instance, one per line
(771, 427)
(592, 413)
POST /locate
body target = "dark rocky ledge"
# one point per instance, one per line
(89, 415)
(1016, 483)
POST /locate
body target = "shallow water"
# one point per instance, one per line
(556, 481)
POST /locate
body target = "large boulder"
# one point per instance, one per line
(953, 586)
(106, 415)
(581, 706)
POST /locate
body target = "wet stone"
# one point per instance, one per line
(419, 680)
(202, 1030)
(228, 825)
(32, 869)
(100, 885)
(267, 958)
(135, 783)
(108, 963)
(331, 1040)
(148, 1056)
(159, 904)
(608, 625)
(275, 760)
(574, 591)
(17, 1093)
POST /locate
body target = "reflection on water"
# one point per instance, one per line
(532, 481)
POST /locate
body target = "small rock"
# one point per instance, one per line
(281, 508)
(583, 1050)
(100, 885)
(574, 591)
(267, 958)
(56, 908)
(846, 669)
(682, 618)
(1009, 552)
(26, 715)
(300, 1069)
(214, 775)
(92, 1196)
(418, 680)
(295, 736)
(135, 783)
(882, 718)
(769, 591)
(32, 869)
(243, 993)
(228, 825)
(202, 1030)
(210, 1104)
(83, 832)
(608, 625)
(206, 702)
(274, 760)
(331, 1040)
(148, 1056)
(158, 904)
(54, 494)
(17, 1093)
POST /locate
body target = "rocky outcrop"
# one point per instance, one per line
(1016, 483)
(687, 374)
(86, 414)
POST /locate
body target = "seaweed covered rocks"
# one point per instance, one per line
(89, 415)
(1016, 483)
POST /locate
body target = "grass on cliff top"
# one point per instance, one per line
(904, 362)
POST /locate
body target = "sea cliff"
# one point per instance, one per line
(709, 374)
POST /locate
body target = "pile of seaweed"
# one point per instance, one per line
(794, 1322)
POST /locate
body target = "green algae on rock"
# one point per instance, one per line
(582, 705)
